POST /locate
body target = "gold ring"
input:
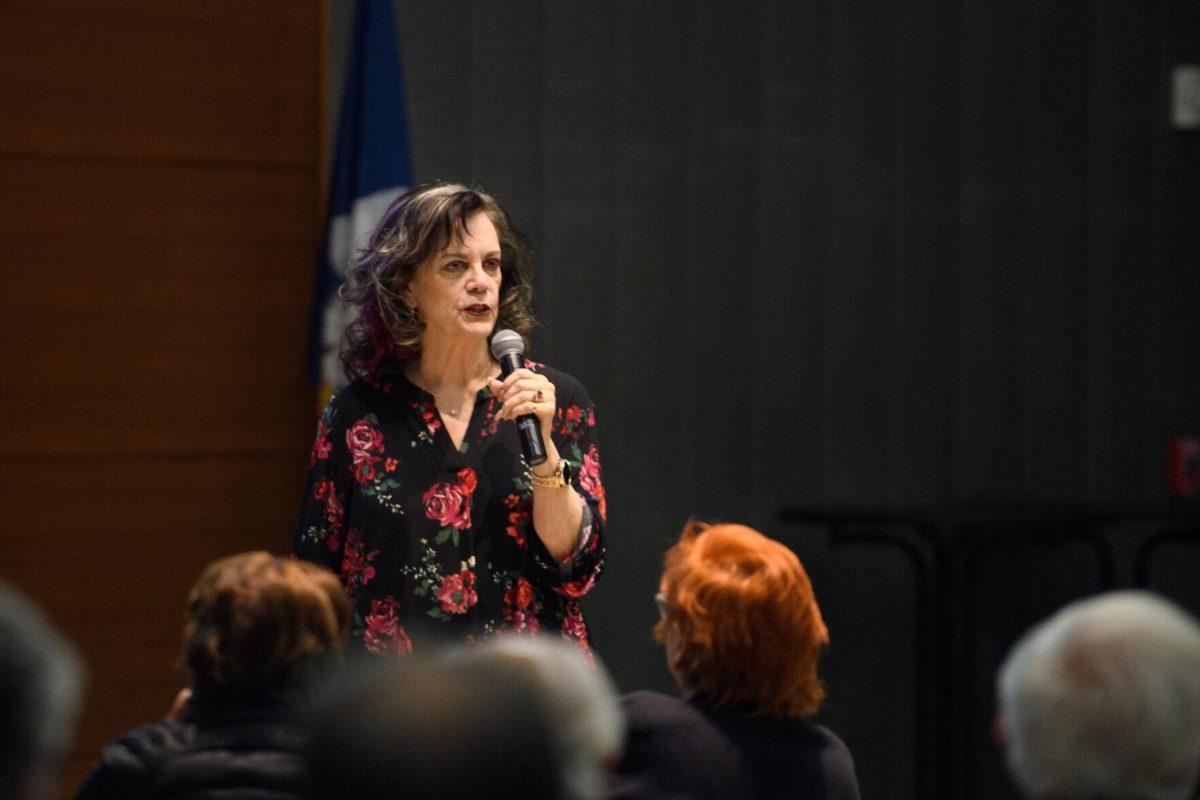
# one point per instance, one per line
(537, 398)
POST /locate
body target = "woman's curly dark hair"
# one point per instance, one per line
(385, 333)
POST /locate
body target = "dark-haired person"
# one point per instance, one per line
(258, 627)
(742, 633)
(417, 493)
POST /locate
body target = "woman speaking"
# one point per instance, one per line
(417, 493)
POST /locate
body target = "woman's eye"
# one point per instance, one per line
(455, 266)
(492, 265)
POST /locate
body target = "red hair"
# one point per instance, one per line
(746, 627)
(257, 622)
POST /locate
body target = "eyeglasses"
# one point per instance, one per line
(660, 600)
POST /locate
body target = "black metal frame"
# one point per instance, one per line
(945, 550)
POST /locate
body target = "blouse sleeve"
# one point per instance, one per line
(327, 491)
(574, 435)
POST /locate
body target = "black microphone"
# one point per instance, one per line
(509, 349)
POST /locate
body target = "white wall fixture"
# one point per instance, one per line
(1185, 97)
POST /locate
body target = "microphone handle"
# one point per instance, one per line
(531, 440)
(528, 428)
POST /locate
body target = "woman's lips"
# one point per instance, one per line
(479, 310)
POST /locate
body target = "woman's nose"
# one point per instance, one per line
(477, 278)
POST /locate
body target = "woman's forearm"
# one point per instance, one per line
(557, 513)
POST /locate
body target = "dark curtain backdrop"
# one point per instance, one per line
(845, 253)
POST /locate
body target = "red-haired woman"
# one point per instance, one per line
(258, 626)
(417, 494)
(742, 633)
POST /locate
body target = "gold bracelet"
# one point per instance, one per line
(555, 480)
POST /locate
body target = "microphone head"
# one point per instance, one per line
(507, 342)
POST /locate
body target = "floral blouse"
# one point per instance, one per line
(434, 543)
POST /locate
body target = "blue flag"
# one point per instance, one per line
(371, 168)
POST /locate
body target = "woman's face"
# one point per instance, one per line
(456, 290)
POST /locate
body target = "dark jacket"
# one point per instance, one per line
(689, 750)
(788, 758)
(673, 752)
(254, 752)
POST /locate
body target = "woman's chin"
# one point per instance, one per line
(474, 333)
(480, 326)
(459, 334)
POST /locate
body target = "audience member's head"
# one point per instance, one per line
(740, 624)
(1102, 701)
(585, 720)
(258, 624)
(40, 689)
(435, 728)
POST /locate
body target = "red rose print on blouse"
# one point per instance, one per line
(577, 588)
(364, 442)
(429, 416)
(520, 594)
(364, 472)
(448, 505)
(356, 563)
(589, 479)
(519, 515)
(522, 621)
(324, 490)
(320, 447)
(457, 592)
(381, 385)
(467, 480)
(384, 633)
(568, 421)
(520, 612)
(333, 542)
(419, 544)
(490, 423)
(573, 626)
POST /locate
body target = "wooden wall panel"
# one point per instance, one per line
(127, 315)
(222, 81)
(159, 218)
(109, 546)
